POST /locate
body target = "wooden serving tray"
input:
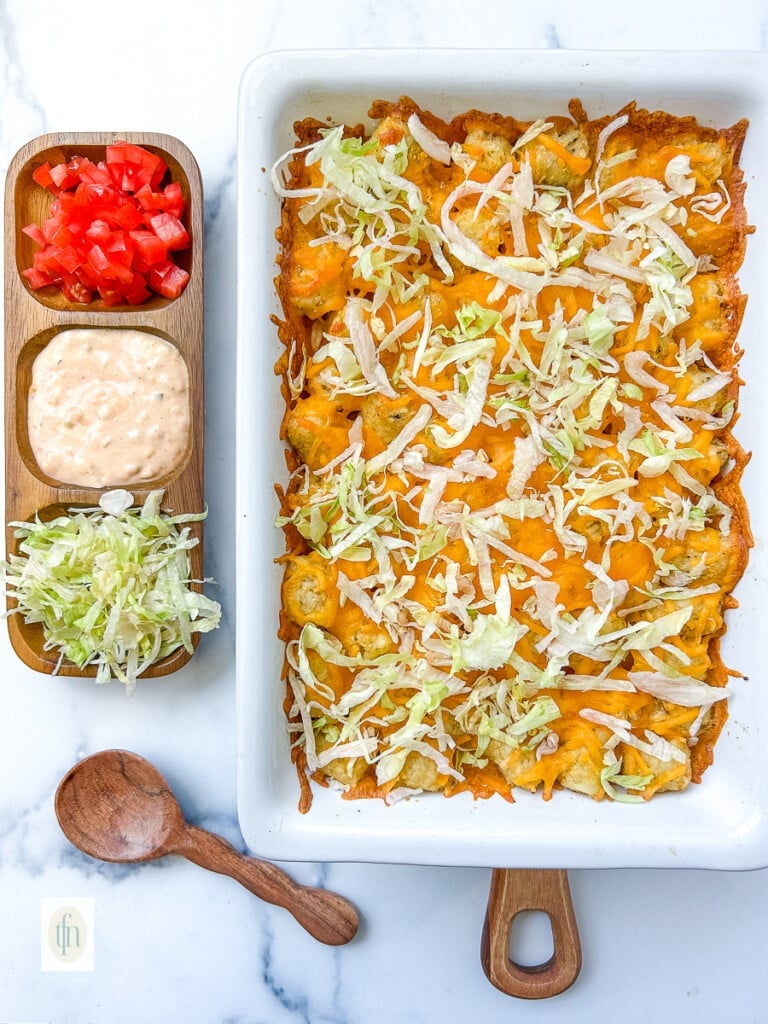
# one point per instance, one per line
(33, 318)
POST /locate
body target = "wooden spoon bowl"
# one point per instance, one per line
(116, 806)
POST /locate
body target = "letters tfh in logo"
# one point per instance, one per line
(66, 934)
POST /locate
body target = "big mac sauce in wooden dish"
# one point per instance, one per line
(142, 361)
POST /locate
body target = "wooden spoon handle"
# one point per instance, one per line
(515, 891)
(325, 915)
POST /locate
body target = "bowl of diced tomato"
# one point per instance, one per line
(103, 225)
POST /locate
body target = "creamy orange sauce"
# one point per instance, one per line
(108, 406)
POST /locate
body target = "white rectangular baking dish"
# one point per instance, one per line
(723, 823)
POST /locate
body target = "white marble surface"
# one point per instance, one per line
(172, 943)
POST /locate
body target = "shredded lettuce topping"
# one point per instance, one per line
(524, 507)
(110, 585)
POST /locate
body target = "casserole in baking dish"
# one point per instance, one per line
(465, 831)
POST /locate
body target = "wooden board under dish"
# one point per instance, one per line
(33, 318)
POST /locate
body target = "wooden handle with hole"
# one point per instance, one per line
(327, 917)
(511, 893)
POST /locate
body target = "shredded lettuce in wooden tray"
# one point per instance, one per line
(110, 585)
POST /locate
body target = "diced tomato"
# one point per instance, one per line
(87, 276)
(157, 273)
(137, 296)
(120, 247)
(151, 248)
(140, 265)
(69, 258)
(34, 233)
(92, 194)
(153, 170)
(174, 282)
(174, 199)
(42, 175)
(128, 216)
(171, 199)
(168, 279)
(78, 166)
(98, 231)
(96, 174)
(98, 259)
(147, 198)
(110, 296)
(64, 204)
(131, 167)
(133, 154)
(170, 230)
(119, 272)
(49, 228)
(115, 162)
(62, 236)
(116, 154)
(150, 167)
(75, 291)
(61, 177)
(37, 279)
(109, 229)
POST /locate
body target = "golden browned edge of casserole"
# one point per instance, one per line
(514, 517)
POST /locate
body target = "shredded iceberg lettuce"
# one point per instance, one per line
(586, 422)
(611, 778)
(110, 588)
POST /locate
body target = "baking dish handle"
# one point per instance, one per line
(511, 893)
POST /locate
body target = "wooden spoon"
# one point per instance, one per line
(116, 806)
(511, 893)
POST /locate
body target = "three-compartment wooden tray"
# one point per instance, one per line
(33, 318)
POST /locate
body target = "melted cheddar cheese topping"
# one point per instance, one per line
(514, 516)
